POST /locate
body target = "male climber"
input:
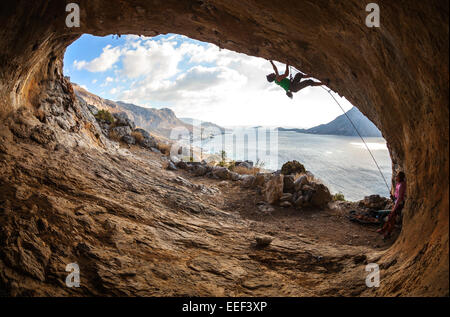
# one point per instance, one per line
(290, 85)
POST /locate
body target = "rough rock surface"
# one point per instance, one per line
(397, 75)
(273, 189)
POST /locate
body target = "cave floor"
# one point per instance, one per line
(136, 229)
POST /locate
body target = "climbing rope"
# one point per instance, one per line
(362, 139)
(354, 126)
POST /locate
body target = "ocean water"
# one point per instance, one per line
(342, 163)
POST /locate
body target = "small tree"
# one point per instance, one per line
(338, 197)
(223, 156)
(104, 115)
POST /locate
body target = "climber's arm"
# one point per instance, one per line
(275, 69)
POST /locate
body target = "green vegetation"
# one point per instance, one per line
(231, 165)
(338, 197)
(292, 168)
(223, 156)
(104, 115)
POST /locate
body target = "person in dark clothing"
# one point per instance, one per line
(290, 85)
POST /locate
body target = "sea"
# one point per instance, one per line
(343, 163)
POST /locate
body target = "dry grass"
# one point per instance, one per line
(137, 136)
(164, 148)
(242, 170)
(113, 135)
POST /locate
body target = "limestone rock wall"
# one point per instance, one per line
(397, 75)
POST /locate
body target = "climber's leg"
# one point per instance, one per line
(297, 86)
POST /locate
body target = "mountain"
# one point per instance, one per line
(208, 127)
(342, 126)
(158, 121)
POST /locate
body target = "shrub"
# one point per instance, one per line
(113, 135)
(164, 148)
(137, 136)
(292, 167)
(104, 115)
(338, 197)
(223, 159)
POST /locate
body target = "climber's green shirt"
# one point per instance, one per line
(284, 83)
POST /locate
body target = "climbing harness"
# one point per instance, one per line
(354, 126)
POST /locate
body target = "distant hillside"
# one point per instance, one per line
(342, 126)
(208, 127)
(158, 121)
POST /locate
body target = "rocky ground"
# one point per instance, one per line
(137, 229)
(68, 194)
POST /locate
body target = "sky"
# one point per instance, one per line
(194, 79)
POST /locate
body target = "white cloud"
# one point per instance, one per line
(207, 83)
(104, 62)
(155, 59)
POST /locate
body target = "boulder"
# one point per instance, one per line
(120, 132)
(221, 173)
(121, 120)
(299, 182)
(182, 165)
(286, 204)
(171, 166)
(288, 186)
(199, 170)
(292, 168)
(235, 176)
(248, 180)
(144, 133)
(375, 202)
(286, 197)
(93, 109)
(128, 139)
(261, 179)
(150, 144)
(263, 241)
(300, 201)
(273, 190)
(321, 195)
(246, 164)
(175, 159)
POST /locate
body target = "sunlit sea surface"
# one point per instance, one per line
(342, 163)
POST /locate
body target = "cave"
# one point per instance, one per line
(396, 74)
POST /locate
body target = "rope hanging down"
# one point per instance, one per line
(362, 139)
(354, 126)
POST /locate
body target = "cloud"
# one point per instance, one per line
(201, 81)
(106, 60)
(157, 60)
